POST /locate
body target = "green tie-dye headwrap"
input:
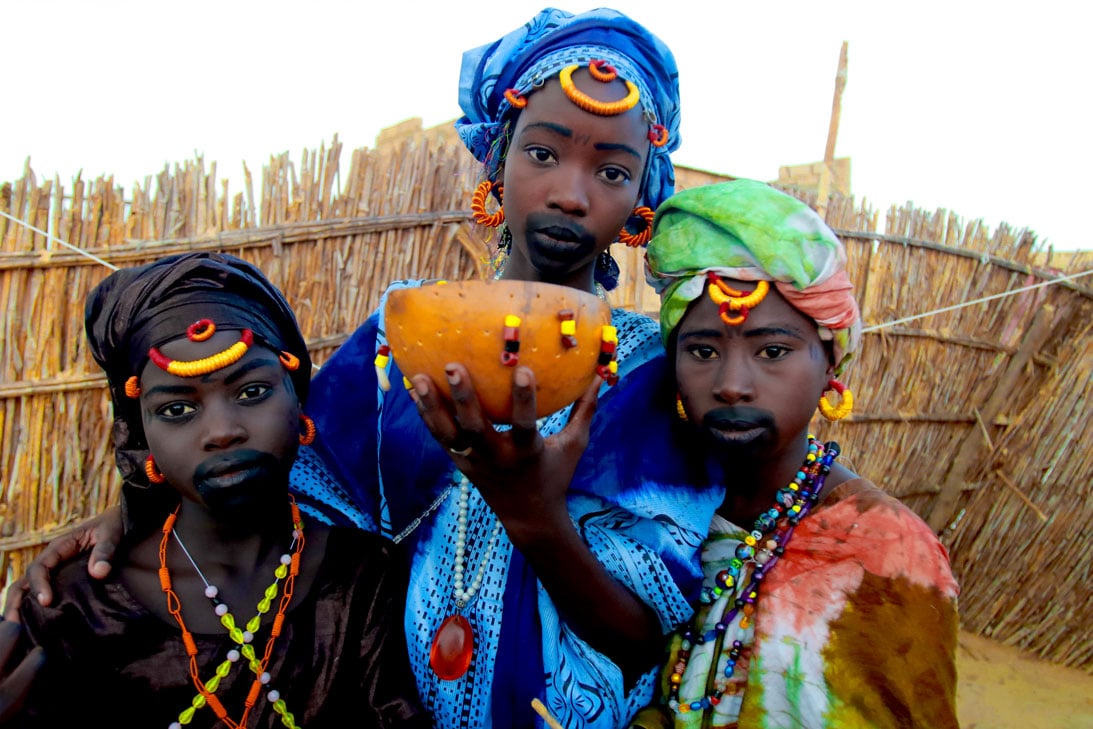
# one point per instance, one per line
(748, 231)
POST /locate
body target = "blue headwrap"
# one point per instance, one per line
(545, 45)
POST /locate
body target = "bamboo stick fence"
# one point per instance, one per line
(976, 417)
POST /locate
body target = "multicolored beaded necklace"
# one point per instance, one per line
(287, 570)
(761, 550)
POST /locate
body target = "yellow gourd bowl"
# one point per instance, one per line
(464, 322)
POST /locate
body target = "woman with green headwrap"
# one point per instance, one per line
(825, 602)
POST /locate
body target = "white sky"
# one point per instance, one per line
(982, 108)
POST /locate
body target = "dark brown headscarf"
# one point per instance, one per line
(137, 308)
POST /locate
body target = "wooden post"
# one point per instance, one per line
(832, 132)
(942, 511)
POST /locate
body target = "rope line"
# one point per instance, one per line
(66, 244)
(873, 328)
(954, 307)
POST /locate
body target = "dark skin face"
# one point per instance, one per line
(752, 390)
(571, 181)
(225, 440)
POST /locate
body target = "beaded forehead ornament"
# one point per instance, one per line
(603, 72)
(730, 300)
(201, 331)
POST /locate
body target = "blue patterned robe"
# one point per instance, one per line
(376, 465)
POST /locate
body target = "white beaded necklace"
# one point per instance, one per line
(464, 596)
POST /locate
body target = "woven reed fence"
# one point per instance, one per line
(978, 418)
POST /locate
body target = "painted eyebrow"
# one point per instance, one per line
(774, 331)
(254, 364)
(550, 126)
(750, 334)
(184, 389)
(568, 134)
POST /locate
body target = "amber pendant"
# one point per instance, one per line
(453, 646)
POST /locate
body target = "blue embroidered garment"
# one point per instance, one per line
(629, 499)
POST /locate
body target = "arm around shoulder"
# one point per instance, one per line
(101, 534)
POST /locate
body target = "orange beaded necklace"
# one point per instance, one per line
(206, 696)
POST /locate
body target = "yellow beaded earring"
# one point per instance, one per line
(680, 410)
(846, 402)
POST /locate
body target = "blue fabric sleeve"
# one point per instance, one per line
(336, 476)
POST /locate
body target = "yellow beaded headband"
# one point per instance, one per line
(729, 299)
(201, 331)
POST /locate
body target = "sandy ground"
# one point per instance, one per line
(1002, 688)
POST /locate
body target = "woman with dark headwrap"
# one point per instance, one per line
(554, 576)
(825, 602)
(208, 374)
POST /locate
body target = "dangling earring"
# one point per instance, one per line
(606, 273)
(846, 402)
(478, 204)
(308, 436)
(680, 411)
(151, 471)
(641, 238)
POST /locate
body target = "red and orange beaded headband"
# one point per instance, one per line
(200, 331)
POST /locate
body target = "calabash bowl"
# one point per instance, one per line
(471, 322)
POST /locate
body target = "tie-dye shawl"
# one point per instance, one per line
(855, 628)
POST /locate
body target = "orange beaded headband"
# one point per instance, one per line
(586, 102)
(604, 73)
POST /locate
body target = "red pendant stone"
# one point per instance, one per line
(453, 645)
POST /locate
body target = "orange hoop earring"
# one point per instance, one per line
(638, 239)
(658, 135)
(603, 71)
(846, 402)
(592, 106)
(151, 471)
(516, 99)
(308, 436)
(132, 388)
(200, 330)
(478, 204)
(680, 410)
(289, 361)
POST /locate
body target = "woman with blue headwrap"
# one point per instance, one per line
(556, 575)
(569, 583)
